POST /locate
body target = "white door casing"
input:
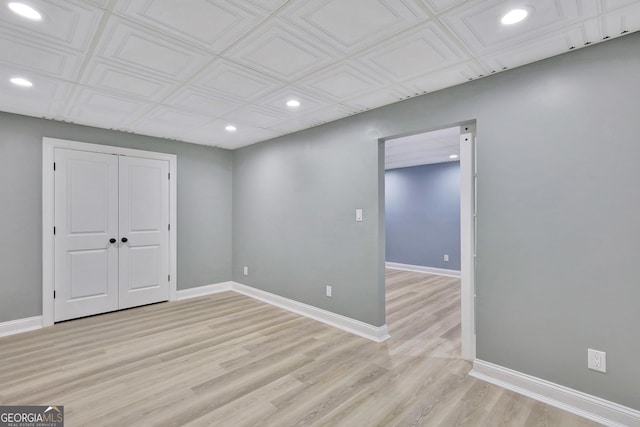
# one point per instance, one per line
(167, 166)
(86, 266)
(468, 244)
(144, 224)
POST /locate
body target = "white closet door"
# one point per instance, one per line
(86, 218)
(144, 233)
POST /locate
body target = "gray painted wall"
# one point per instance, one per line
(557, 203)
(423, 215)
(294, 219)
(204, 207)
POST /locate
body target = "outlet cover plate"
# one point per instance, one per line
(597, 360)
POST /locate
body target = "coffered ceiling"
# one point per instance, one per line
(186, 69)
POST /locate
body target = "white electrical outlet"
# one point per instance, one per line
(446, 258)
(329, 291)
(597, 360)
(246, 270)
(359, 215)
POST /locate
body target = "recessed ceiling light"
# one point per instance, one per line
(453, 156)
(19, 81)
(293, 103)
(514, 16)
(25, 11)
(230, 128)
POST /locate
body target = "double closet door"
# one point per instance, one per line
(111, 232)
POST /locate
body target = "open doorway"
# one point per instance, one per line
(430, 239)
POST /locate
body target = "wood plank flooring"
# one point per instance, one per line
(229, 360)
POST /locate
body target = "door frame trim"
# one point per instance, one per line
(48, 213)
(468, 241)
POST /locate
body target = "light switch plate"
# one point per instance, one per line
(359, 215)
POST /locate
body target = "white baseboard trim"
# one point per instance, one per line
(365, 330)
(200, 291)
(20, 325)
(574, 401)
(422, 269)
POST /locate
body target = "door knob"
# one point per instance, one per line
(125, 240)
(112, 240)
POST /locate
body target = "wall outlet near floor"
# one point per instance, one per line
(446, 258)
(329, 291)
(597, 360)
(246, 270)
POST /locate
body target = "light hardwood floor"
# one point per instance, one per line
(229, 360)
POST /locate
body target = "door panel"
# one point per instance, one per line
(144, 221)
(86, 217)
(144, 262)
(88, 273)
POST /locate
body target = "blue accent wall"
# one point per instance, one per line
(423, 215)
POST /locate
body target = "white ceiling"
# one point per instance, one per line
(422, 149)
(185, 69)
